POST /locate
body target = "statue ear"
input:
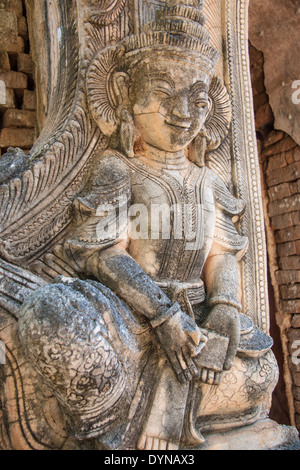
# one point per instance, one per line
(218, 121)
(120, 87)
(120, 90)
(107, 89)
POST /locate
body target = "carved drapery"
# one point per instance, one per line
(38, 201)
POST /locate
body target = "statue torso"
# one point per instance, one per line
(181, 220)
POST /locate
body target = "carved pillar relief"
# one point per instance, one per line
(135, 341)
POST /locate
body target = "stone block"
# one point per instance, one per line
(297, 154)
(290, 292)
(283, 206)
(7, 98)
(287, 277)
(19, 118)
(279, 192)
(296, 377)
(279, 222)
(258, 85)
(22, 27)
(8, 25)
(283, 145)
(273, 138)
(15, 6)
(276, 162)
(25, 63)
(289, 156)
(16, 80)
(290, 306)
(289, 262)
(283, 175)
(286, 235)
(296, 321)
(29, 100)
(287, 249)
(264, 116)
(260, 100)
(13, 45)
(296, 395)
(23, 138)
(4, 61)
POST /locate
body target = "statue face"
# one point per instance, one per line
(170, 103)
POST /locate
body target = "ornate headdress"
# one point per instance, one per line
(179, 33)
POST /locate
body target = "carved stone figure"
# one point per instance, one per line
(141, 341)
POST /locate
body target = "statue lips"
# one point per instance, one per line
(181, 126)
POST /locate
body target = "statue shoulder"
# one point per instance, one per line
(227, 207)
(108, 181)
(224, 199)
(108, 169)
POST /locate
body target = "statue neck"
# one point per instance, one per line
(160, 159)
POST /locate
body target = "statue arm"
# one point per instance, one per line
(221, 271)
(177, 333)
(222, 286)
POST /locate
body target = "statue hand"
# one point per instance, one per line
(224, 319)
(181, 340)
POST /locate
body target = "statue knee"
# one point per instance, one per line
(67, 341)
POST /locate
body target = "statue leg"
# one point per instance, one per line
(89, 350)
(163, 426)
(241, 397)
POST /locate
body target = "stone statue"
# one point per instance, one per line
(144, 344)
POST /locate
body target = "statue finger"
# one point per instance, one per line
(217, 378)
(203, 375)
(210, 377)
(184, 365)
(191, 365)
(177, 367)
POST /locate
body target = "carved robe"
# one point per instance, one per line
(100, 357)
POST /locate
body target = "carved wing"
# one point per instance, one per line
(15, 285)
(35, 201)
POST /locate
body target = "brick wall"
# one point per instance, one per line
(280, 164)
(17, 95)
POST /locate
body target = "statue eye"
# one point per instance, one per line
(201, 103)
(163, 92)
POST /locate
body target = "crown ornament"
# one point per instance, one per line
(178, 32)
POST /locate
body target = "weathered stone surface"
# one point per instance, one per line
(16, 80)
(25, 63)
(266, 434)
(7, 98)
(18, 137)
(22, 27)
(8, 25)
(18, 118)
(4, 61)
(107, 307)
(276, 35)
(29, 100)
(15, 6)
(13, 44)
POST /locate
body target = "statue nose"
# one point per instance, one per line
(181, 108)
